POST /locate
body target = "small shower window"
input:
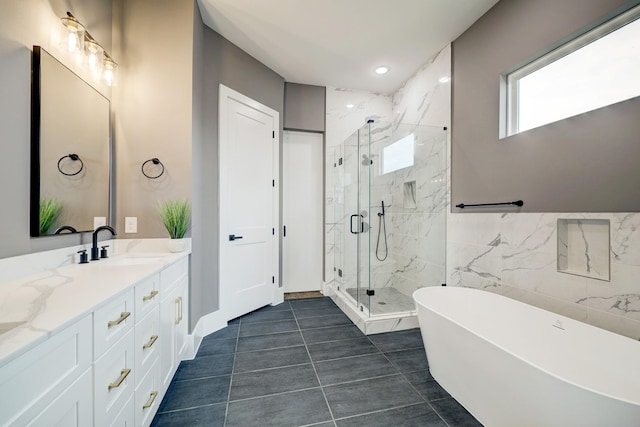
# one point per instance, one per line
(398, 155)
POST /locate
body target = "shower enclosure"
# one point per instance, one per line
(390, 200)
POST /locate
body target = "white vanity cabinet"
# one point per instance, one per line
(147, 351)
(51, 384)
(174, 306)
(110, 368)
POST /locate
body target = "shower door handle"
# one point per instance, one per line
(361, 220)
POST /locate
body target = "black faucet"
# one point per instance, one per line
(59, 230)
(94, 247)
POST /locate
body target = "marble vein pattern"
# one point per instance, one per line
(35, 303)
(416, 228)
(529, 252)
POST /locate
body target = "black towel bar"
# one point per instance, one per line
(516, 203)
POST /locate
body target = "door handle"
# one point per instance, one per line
(361, 220)
(233, 237)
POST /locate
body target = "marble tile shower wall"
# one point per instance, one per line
(419, 234)
(511, 254)
(415, 236)
(341, 123)
(415, 232)
(516, 255)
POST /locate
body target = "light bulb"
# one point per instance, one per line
(74, 35)
(109, 71)
(382, 70)
(95, 57)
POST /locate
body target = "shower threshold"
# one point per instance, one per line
(384, 301)
(384, 320)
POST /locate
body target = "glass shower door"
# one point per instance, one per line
(365, 167)
(355, 178)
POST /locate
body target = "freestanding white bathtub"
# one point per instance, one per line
(514, 365)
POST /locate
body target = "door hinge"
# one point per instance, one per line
(371, 292)
(273, 279)
(273, 182)
(273, 231)
(274, 134)
(340, 161)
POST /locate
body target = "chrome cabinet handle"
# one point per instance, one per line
(119, 320)
(152, 397)
(150, 296)
(152, 341)
(123, 374)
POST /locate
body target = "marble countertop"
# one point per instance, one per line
(34, 307)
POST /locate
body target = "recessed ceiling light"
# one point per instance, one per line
(382, 70)
(349, 105)
(444, 79)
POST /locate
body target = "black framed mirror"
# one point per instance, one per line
(70, 150)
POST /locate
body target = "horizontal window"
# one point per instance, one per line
(398, 155)
(599, 68)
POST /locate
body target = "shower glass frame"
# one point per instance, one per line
(359, 167)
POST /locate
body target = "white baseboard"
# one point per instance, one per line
(207, 324)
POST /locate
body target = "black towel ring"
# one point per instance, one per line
(73, 157)
(155, 161)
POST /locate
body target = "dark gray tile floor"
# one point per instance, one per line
(303, 363)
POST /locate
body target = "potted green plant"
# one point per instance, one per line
(175, 215)
(50, 209)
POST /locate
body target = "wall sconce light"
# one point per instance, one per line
(74, 37)
(83, 46)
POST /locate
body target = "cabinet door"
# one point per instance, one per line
(31, 382)
(126, 417)
(72, 408)
(148, 396)
(182, 322)
(148, 340)
(168, 352)
(114, 380)
(112, 321)
(147, 294)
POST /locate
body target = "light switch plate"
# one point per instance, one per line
(130, 224)
(99, 221)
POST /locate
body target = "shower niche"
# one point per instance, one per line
(390, 202)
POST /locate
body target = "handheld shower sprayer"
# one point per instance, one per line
(382, 225)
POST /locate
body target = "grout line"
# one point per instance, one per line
(410, 384)
(271, 348)
(270, 333)
(271, 369)
(279, 393)
(381, 410)
(313, 365)
(189, 408)
(233, 366)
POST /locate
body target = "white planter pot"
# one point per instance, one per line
(177, 245)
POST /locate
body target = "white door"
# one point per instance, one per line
(248, 162)
(302, 211)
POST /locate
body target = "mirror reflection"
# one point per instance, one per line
(70, 150)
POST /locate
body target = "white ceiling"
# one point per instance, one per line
(340, 42)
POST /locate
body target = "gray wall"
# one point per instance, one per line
(152, 106)
(586, 163)
(223, 63)
(23, 24)
(198, 286)
(304, 107)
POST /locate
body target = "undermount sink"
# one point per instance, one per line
(133, 260)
